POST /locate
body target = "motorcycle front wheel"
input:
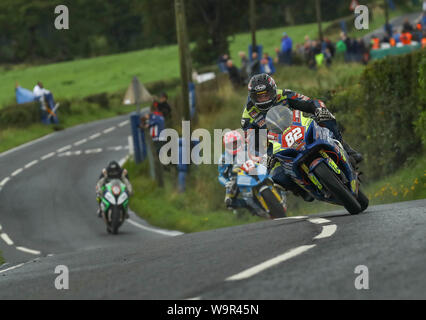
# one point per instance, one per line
(336, 187)
(276, 209)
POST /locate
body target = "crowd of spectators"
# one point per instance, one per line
(249, 67)
(316, 53)
(408, 34)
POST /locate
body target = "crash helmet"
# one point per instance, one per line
(263, 91)
(114, 170)
(233, 142)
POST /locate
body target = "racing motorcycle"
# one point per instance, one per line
(265, 199)
(114, 205)
(315, 160)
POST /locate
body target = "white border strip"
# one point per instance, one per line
(270, 263)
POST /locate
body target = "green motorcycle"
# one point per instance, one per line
(114, 205)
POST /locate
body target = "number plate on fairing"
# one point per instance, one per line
(292, 137)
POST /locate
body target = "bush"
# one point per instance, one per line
(20, 115)
(379, 113)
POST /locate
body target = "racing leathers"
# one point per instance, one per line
(228, 171)
(254, 118)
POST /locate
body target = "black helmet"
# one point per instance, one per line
(263, 91)
(114, 170)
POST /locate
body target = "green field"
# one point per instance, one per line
(77, 79)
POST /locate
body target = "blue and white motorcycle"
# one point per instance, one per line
(255, 186)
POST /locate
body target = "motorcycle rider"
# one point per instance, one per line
(228, 169)
(263, 95)
(236, 155)
(112, 171)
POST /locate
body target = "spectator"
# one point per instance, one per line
(341, 47)
(47, 102)
(363, 51)
(424, 39)
(268, 64)
(406, 38)
(407, 27)
(222, 63)
(234, 74)
(279, 56)
(286, 48)
(155, 123)
(163, 107)
(329, 45)
(255, 67)
(397, 37)
(245, 67)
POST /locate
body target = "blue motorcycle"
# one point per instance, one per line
(314, 160)
(255, 186)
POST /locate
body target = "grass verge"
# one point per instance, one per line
(15, 136)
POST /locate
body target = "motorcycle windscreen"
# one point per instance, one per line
(278, 119)
(251, 180)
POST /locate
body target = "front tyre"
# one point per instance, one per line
(115, 219)
(276, 209)
(336, 187)
(363, 200)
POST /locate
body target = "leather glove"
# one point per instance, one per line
(270, 163)
(322, 114)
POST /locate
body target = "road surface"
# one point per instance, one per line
(48, 219)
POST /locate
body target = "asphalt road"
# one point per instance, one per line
(47, 212)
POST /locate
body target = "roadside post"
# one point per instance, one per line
(137, 94)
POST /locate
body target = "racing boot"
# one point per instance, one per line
(355, 155)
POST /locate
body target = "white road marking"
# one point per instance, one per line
(96, 135)
(1, 227)
(194, 299)
(23, 249)
(130, 143)
(65, 154)
(109, 130)
(6, 239)
(11, 268)
(15, 173)
(64, 149)
(98, 150)
(289, 218)
(163, 232)
(327, 231)
(319, 220)
(80, 142)
(118, 148)
(270, 263)
(47, 156)
(124, 123)
(32, 163)
(4, 181)
(123, 161)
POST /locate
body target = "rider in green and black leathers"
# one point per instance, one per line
(263, 95)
